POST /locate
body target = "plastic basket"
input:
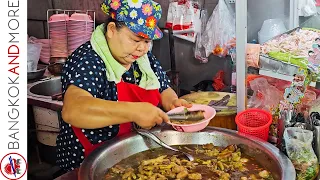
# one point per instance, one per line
(254, 122)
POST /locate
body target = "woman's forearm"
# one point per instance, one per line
(92, 113)
(82, 110)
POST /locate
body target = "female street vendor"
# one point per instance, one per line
(113, 81)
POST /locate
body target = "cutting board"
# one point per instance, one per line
(223, 119)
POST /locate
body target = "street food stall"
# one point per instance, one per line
(258, 116)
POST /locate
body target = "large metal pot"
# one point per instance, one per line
(95, 166)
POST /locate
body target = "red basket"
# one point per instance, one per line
(255, 122)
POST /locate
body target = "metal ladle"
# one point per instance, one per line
(150, 135)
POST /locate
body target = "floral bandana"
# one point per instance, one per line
(141, 16)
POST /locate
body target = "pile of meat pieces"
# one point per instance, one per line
(160, 168)
(297, 43)
(220, 161)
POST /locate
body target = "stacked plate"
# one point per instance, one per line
(58, 34)
(80, 28)
(45, 50)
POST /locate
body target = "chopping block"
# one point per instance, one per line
(224, 118)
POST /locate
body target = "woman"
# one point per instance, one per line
(113, 81)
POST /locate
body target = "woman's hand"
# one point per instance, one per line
(170, 100)
(147, 115)
(179, 102)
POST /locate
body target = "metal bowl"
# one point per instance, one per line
(95, 166)
(56, 68)
(41, 69)
(56, 65)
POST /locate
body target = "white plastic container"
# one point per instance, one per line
(271, 28)
(33, 57)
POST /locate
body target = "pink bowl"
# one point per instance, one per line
(80, 17)
(58, 18)
(209, 113)
(43, 41)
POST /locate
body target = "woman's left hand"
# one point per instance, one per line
(179, 102)
(170, 100)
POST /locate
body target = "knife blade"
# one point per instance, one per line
(189, 115)
(226, 98)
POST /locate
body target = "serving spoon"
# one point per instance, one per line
(150, 135)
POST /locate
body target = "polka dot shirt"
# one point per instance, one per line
(86, 70)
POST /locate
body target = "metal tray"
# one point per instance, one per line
(277, 66)
(288, 32)
(271, 64)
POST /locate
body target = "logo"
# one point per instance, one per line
(13, 166)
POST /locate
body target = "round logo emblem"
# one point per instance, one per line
(13, 166)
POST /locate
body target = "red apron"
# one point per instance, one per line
(129, 93)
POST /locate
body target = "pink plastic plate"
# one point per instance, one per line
(208, 114)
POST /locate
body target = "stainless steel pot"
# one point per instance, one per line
(95, 166)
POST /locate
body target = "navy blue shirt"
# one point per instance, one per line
(86, 70)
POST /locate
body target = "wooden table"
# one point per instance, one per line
(223, 119)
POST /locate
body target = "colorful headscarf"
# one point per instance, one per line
(140, 16)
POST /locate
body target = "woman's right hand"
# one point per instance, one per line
(147, 115)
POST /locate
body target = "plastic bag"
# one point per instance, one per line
(199, 51)
(187, 36)
(306, 102)
(265, 96)
(299, 149)
(218, 83)
(33, 56)
(307, 8)
(184, 19)
(315, 106)
(311, 22)
(182, 15)
(253, 52)
(281, 85)
(220, 30)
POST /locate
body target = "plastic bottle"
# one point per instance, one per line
(233, 79)
(233, 88)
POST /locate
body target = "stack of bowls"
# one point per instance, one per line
(45, 50)
(80, 28)
(58, 34)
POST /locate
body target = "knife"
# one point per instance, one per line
(183, 115)
(220, 102)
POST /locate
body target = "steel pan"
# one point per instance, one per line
(95, 166)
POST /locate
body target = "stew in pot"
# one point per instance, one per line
(211, 163)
